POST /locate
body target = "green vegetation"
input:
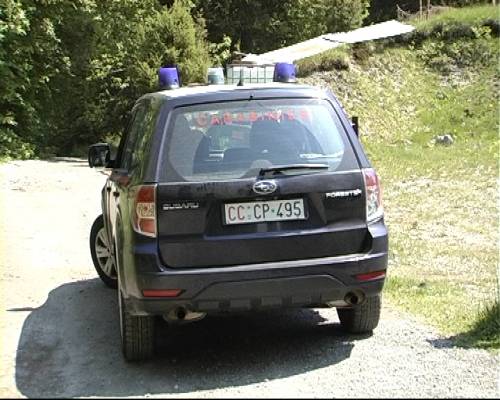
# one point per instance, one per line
(440, 200)
(484, 332)
(258, 26)
(71, 70)
(381, 10)
(468, 15)
(335, 59)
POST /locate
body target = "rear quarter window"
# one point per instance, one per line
(234, 140)
(137, 140)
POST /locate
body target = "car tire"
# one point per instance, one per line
(137, 333)
(102, 254)
(363, 318)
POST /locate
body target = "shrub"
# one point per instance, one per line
(11, 146)
(494, 25)
(336, 59)
(472, 48)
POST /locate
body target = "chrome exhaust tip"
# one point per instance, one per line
(180, 313)
(183, 315)
(354, 298)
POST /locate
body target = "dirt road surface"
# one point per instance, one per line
(60, 337)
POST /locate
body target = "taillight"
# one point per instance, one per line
(370, 276)
(144, 212)
(374, 208)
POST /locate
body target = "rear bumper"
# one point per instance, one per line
(297, 283)
(283, 284)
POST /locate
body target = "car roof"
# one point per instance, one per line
(208, 90)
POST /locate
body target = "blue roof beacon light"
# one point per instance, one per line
(285, 72)
(215, 76)
(169, 78)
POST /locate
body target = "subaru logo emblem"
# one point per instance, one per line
(265, 187)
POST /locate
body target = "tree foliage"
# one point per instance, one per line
(126, 62)
(71, 70)
(262, 25)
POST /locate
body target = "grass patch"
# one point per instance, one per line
(441, 202)
(443, 225)
(426, 295)
(485, 332)
(467, 15)
(479, 325)
(335, 59)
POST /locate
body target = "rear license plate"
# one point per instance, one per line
(264, 211)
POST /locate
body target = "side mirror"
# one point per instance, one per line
(99, 155)
(355, 125)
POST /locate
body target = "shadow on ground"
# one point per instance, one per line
(70, 347)
(483, 334)
(73, 161)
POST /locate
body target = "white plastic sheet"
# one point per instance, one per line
(329, 41)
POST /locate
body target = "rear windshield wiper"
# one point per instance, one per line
(292, 167)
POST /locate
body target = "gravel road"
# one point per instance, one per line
(60, 335)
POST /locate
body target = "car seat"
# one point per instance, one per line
(237, 158)
(185, 147)
(270, 140)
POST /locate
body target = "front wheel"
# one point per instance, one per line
(102, 253)
(363, 318)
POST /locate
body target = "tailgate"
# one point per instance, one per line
(193, 228)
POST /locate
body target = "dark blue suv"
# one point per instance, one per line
(234, 198)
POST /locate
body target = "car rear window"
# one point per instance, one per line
(235, 140)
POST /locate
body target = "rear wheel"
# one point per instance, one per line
(102, 253)
(137, 333)
(362, 318)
